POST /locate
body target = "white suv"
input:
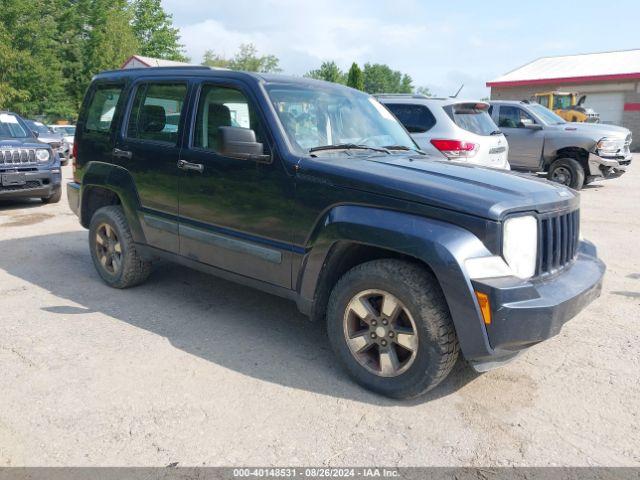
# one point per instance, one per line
(459, 130)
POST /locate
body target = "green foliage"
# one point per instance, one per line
(50, 49)
(246, 59)
(379, 78)
(355, 79)
(154, 29)
(329, 72)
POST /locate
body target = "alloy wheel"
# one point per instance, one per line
(380, 333)
(108, 248)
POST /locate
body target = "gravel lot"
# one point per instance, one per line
(192, 369)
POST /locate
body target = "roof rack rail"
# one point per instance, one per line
(401, 95)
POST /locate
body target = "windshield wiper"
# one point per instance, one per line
(496, 132)
(347, 146)
(404, 148)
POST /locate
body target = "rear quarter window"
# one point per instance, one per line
(415, 118)
(102, 108)
(472, 117)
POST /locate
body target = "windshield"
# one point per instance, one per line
(472, 117)
(38, 127)
(315, 117)
(546, 115)
(10, 127)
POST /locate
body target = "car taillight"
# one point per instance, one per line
(455, 149)
(74, 161)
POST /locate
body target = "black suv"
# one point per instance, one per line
(28, 168)
(314, 191)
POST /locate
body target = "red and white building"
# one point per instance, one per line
(610, 80)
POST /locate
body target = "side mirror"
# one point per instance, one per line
(35, 134)
(529, 124)
(238, 142)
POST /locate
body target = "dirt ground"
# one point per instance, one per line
(192, 369)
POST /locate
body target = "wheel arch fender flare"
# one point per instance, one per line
(441, 246)
(119, 181)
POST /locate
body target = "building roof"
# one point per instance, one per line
(153, 62)
(590, 67)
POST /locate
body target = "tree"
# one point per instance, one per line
(246, 59)
(329, 72)
(424, 91)
(380, 78)
(154, 29)
(355, 79)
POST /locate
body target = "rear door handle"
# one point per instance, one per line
(121, 153)
(195, 167)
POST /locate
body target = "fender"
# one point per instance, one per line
(119, 181)
(442, 246)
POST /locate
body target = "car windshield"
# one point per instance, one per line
(317, 117)
(546, 115)
(472, 117)
(10, 127)
(38, 127)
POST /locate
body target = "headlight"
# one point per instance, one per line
(520, 245)
(43, 155)
(609, 146)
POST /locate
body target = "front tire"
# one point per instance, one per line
(113, 251)
(390, 327)
(567, 171)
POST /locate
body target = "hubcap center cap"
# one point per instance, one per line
(381, 331)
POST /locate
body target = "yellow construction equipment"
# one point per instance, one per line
(568, 105)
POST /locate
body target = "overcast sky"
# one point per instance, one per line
(440, 44)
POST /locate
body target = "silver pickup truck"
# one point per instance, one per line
(573, 154)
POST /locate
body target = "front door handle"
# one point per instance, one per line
(196, 167)
(121, 153)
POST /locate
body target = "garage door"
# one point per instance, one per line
(608, 105)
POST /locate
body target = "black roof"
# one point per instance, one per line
(202, 71)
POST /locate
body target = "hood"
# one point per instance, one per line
(596, 130)
(27, 142)
(443, 184)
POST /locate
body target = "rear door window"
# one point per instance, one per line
(474, 118)
(102, 108)
(156, 112)
(415, 118)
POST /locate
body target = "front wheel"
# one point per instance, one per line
(389, 325)
(113, 251)
(567, 171)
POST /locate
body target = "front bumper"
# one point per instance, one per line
(73, 196)
(601, 167)
(526, 312)
(39, 184)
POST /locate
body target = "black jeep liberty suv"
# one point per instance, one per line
(315, 192)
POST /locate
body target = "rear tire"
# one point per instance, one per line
(567, 171)
(113, 251)
(422, 359)
(55, 198)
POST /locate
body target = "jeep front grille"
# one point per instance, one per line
(17, 156)
(558, 238)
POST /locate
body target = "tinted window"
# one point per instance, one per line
(156, 111)
(102, 108)
(510, 117)
(544, 101)
(472, 117)
(415, 118)
(222, 107)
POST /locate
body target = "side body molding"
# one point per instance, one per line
(119, 181)
(442, 246)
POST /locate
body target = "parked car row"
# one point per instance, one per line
(519, 135)
(315, 192)
(56, 140)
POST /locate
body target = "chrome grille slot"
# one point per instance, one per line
(17, 156)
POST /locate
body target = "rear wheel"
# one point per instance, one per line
(567, 171)
(389, 325)
(113, 251)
